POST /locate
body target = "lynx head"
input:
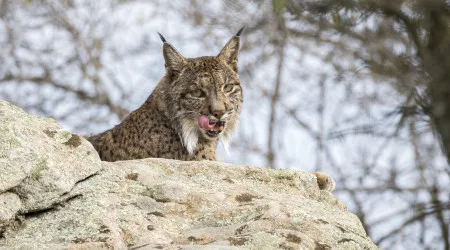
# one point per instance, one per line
(203, 96)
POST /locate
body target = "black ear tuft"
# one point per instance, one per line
(240, 31)
(162, 38)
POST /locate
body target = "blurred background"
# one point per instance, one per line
(357, 89)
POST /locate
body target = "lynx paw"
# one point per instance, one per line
(325, 182)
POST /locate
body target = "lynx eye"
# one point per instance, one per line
(228, 88)
(196, 94)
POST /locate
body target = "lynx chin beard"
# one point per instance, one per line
(206, 128)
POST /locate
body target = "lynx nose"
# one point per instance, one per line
(218, 113)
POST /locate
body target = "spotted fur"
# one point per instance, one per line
(166, 125)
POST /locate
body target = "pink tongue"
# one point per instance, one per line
(203, 122)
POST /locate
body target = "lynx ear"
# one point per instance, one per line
(174, 61)
(229, 54)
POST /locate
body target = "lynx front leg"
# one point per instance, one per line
(325, 182)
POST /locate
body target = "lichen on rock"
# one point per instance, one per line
(67, 198)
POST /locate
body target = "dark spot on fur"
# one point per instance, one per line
(49, 133)
(133, 176)
(245, 197)
(74, 141)
(150, 228)
(203, 156)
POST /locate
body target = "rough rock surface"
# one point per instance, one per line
(55, 193)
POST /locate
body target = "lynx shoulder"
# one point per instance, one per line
(196, 104)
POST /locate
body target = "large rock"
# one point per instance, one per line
(40, 162)
(56, 194)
